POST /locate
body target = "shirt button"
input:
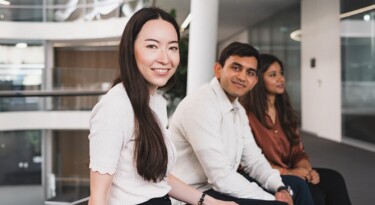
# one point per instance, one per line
(276, 131)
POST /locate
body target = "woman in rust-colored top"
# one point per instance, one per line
(274, 126)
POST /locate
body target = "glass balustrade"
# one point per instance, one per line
(358, 78)
(68, 10)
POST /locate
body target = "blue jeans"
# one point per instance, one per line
(302, 194)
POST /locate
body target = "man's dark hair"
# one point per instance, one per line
(238, 49)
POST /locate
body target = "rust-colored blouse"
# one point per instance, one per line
(274, 143)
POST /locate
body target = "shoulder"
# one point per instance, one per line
(114, 103)
(202, 101)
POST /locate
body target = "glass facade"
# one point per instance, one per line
(20, 158)
(358, 76)
(273, 36)
(70, 160)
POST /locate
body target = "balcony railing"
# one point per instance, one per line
(68, 10)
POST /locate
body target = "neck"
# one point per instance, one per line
(152, 90)
(271, 101)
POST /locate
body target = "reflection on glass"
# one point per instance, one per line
(273, 36)
(20, 158)
(358, 77)
(69, 10)
(70, 177)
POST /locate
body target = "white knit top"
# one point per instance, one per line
(112, 147)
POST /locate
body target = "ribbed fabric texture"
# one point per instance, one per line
(112, 147)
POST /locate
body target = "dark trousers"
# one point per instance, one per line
(300, 187)
(165, 200)
(331, 189)
(239, 201)
(302, 195)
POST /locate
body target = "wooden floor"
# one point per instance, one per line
(356, 165)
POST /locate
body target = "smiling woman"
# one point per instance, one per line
(156, 52)
(131, 154)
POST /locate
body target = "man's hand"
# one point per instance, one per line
(284, 196)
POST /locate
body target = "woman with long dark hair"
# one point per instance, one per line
(274, 126)
(131, 154)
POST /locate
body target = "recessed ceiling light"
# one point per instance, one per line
(4, 2)
(21, 45)
(366, 17)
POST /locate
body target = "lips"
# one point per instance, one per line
(238, 84)
(161, 70)
(280, 86)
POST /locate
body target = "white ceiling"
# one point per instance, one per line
(234, 15)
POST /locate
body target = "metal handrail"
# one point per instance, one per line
(63, 6)
(66, 203)
(40, 93)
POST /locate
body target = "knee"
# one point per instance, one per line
(331, 175)
(295, 182)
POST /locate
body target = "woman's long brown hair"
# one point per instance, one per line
(256, 102)
(150, 153)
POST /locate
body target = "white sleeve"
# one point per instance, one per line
(254, 162)
(110, 125)
(201, 126)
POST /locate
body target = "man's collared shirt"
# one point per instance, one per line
(212, 137)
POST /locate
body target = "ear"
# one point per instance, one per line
(217, 70)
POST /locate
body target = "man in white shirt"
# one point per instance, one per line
(212, 135)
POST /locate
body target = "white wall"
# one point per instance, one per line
(321, 86)
(242, 37)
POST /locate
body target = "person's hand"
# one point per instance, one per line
(314, 177)
(301, 172)
(284, 196)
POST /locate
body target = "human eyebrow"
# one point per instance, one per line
(171, 42)
(156, 41)
(236, 64)
(253, 69)
(149, 39)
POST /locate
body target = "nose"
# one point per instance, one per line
(163, 56)
(242, 75)
(281, 78)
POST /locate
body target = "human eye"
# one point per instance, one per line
(272, 74)
(236, 67)
(174, 48)
(152, 46)
(251, 73)
(282, 73)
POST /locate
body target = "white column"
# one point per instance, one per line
(321, 85)
(202, 42)
(48, 73)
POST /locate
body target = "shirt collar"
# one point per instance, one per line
(223, 99)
